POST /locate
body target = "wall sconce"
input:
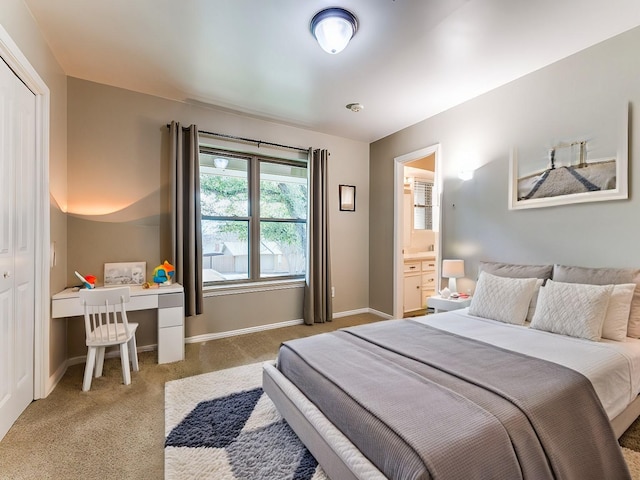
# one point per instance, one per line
(347, 196)
(465, 175)
(453, 269)
(333, 28)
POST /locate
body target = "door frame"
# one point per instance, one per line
(398, 236)
(13, 57)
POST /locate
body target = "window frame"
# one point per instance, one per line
(427, 186)
(254, 218)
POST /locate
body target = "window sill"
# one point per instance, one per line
(251, 287)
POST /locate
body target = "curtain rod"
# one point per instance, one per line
(249, 140)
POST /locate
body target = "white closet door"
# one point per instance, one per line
(17, 249)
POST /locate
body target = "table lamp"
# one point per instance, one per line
(453, 269)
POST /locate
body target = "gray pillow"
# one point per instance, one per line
(606, 276)
(512, 270)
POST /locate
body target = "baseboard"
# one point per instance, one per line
(232, 333)
(260, 328)
(380, 314)
(348, 313)
(54, 379)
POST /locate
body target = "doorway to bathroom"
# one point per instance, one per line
(417, 194)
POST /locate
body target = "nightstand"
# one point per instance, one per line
(440, 304)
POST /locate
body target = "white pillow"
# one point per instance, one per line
(617, 316)
(534, 300)
(501, 298)
(572, 309)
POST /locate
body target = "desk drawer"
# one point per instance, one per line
(172, 341)
(170, 317)
(167, 300)
(142, 302)
(67, 307)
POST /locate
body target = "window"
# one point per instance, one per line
(254, 217)
(422, 205)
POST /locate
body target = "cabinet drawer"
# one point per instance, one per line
(428, 265)
(429, 280)
(411, 267)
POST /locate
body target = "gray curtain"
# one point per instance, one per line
(317, 291)
(186, 237)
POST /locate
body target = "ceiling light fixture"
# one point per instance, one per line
(221, 162)
(333, 28)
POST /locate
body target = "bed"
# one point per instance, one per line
(462, 395)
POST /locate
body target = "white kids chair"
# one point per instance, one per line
(106, 324)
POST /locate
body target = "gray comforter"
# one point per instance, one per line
(421, 403)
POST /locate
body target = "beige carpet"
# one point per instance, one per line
(633, 461)
(117, 431)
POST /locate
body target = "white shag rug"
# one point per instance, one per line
(222, 426)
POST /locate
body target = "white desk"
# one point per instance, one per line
(168, 301)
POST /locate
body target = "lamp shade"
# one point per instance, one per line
(453, 269)
(333, 28)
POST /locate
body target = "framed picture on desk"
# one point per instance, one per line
(129, 273)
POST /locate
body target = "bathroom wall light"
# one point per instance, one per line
(465, 175)
(333, 28)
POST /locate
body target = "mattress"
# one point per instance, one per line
(612, 367)
(553, 395)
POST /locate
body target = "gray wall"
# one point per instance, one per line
(580, 95)
(118, 206)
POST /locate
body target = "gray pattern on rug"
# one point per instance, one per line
(231, 436)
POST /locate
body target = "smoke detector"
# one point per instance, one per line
(355, 107)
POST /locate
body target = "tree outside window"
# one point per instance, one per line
(254, 214)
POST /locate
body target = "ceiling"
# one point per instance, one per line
(409, 60)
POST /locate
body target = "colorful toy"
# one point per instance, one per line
(163, 274)
(89, 281)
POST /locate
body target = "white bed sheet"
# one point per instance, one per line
(612, 367)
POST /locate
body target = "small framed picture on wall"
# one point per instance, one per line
(347, 198)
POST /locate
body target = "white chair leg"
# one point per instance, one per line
(88, 369)
(99, 361)
(133, 353)
(124, 359)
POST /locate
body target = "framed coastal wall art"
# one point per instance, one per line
(572, 167)
(127, 273)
